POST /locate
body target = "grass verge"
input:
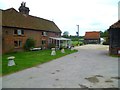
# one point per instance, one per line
(116, 56)
(29, 59)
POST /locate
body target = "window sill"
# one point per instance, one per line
(44, 35)
(17, 47)
(19, 35)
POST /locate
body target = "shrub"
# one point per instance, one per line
(30, 43)
(51, 45)
(105, 43)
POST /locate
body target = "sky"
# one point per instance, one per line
(90, 15)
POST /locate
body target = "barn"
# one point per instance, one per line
(114, 36)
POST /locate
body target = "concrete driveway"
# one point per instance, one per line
(90, 67)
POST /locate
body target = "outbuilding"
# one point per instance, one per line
(92, 37)
(114, 36)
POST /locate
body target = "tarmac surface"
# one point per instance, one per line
(90, 67)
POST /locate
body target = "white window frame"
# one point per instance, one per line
(19, 44)
(44, 33)
(19, 32)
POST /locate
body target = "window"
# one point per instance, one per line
(18, 43)
(43, 42)
(19, 32)
(56, 34)
(22, 31)
(44, 33)
(6, 32)
(15, 31)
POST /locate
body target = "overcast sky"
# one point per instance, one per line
(90, 15)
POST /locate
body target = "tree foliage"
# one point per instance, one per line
(30, 43)
(104, 34)
(66, 33)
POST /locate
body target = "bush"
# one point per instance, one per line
(81, 44)
(30, 43)
(105, 43)
(51, 45)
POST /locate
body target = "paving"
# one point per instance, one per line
(90, 67)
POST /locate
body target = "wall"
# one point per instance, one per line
(114, 40)
(9, 37)
(92, 41)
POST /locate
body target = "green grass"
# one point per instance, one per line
(25, 60)
(0, 64)
(75, 43)
(116, 56)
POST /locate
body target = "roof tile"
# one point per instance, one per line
(116, 25)
(13, 18)
(92, 35)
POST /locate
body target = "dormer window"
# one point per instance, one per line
(19, 32)
(44, 33)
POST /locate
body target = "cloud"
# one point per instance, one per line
(90, 15)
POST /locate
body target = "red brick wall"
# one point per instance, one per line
(9, 37)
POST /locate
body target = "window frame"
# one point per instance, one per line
(19, 44)
(18, 32)
(44, 33)
(43, 42)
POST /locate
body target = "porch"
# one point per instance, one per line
(60, 42)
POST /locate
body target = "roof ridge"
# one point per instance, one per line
(116, 24)
(40, 18)
(92, 31)
(11, 9)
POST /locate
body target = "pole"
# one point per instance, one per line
(78, 30)
(78, 33)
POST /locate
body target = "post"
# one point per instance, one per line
(11, 61)
(53, 52)
(119, 10)
(78, 29)
(59, 44)
(78, 33)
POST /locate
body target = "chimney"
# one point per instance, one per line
(23, 9)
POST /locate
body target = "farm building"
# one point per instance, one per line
(18, 26)
(114, 36)
(92, 37)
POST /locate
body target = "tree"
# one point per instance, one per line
(104, 34)
(65, 34)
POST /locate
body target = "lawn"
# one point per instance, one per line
(116, 56)
(29, 59)
(75, 43)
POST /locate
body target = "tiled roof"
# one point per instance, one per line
(13, 18)
(116, 25)
(92, 35)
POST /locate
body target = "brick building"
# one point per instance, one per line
(92, 37)
(17, 27)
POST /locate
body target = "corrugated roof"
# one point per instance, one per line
(13, 18)
(92, 35)
(116, 25)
